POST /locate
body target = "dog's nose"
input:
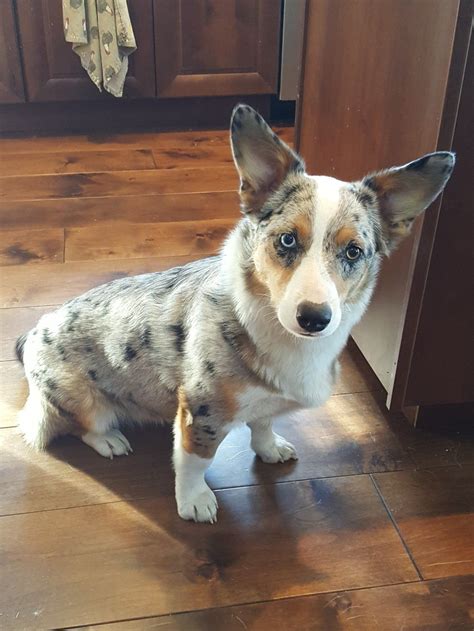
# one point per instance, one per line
(313, 317)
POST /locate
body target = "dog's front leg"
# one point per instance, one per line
(268, 445)
(195, 443)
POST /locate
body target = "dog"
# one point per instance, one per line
(242, 337)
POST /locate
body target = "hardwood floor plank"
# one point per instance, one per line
(76, 211)
(26, 247)
(311, 536)
(178, 157)
(50, 284)
(199, 238)
(150, 140)
(346, 437)
(70, 474)
(13, 391)
(440, 605)
(128, 183)
(41, 163)
(15, 322)
(434, 512)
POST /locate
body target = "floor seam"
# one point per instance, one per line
(395, 525)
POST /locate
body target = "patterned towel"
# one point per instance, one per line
(102, 35)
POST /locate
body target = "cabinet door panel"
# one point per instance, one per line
(216, 47)
(53, 71)
(11, 79)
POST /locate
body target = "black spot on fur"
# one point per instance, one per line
(72, 319)
(20, 347)
(371, 183)
(210, 367)
(88, 349)
(288, 192)
(212, 298)
(228, 334)
(47, 336)
(62, 352)
(51, 384)
(208, 429)
(365, 198)
(297, 166)
(92, 374)
(145, 337)
(130, 353)
(180, 336)
(203, 410)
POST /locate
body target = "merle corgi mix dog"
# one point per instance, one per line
(238, 338)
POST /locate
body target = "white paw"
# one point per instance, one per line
(111, 444)
(198, 505)
(276, 450)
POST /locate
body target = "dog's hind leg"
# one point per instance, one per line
(39, 420)
(102, 434)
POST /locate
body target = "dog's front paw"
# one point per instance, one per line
(199, 505)
(276, 450)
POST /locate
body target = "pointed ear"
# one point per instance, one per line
(263, 160)
(404, 192)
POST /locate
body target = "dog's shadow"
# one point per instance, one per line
(252, 553)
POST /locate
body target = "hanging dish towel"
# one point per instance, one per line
(101, 34)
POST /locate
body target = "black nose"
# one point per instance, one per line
(313, 317)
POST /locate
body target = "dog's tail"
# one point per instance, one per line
(20, 347)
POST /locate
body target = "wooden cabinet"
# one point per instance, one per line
(194, 60)
(216, 47)
(53, 71)
(11, 79)
(365, 107)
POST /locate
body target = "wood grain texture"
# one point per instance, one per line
(332, 534)
(32, 286)
(77, 211)
(434, 512)
(311, 544)
(202, 140)
(215, 48)
(15, 322)
(153, 182)
(185, 238)
(348, 436)
(378, 110)
(11, 77)
(432, 606)
(39, 163)
(26, 247)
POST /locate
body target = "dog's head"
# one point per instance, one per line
(318, 241)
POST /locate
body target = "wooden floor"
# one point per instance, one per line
(372, 529)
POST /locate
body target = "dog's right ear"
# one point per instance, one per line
(262, 159)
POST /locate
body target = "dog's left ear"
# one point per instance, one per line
(262, 159)
(404, 192)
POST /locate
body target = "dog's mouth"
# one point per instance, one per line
(302, 334)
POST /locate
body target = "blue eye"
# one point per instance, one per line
(353, 252)
(288, 240)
